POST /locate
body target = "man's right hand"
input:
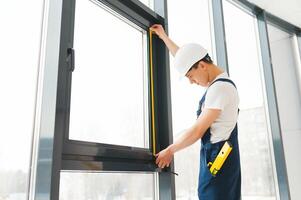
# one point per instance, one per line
(159, 30)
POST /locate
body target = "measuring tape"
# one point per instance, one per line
(220, 159)
(152, 90)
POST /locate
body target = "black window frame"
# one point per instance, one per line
(108, 157)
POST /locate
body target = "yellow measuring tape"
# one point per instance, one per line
(220, 158)
(152, 90)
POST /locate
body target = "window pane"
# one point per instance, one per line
(111, 186)
(283, 51)
(19, 49)
(245, 69)
(109, 84)
(193, 25)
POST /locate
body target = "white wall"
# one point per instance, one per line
(289, 10)
(289, 102)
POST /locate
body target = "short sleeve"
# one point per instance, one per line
(218, 95)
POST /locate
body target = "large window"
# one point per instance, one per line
(245, 68)
(285, 60)
(19, 48)
(192, 25)
(109, 99)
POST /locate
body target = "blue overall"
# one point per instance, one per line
(226, 185)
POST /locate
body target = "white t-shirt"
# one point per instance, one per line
(224, 96)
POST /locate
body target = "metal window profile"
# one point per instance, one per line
(164, 117)
(86, 149)
(89, 151)
(282, 24)
(219, 34)
(281, 170)
(42, 150)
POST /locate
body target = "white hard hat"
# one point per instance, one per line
(187, 55)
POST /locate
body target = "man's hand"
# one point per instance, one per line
(158, 29)
(164, 158)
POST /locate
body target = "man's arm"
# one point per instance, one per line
(190, 136)
(172, 47)
(197, 131)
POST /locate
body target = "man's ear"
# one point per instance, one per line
(202, 65)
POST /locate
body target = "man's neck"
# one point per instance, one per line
(214, 72)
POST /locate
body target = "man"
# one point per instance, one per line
(216, 121)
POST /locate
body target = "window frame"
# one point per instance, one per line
(105, 155)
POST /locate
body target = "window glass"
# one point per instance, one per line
(258, 180)
(109, 84)
(192, 25)
(20, 38)
(111, 186)
(148, 3)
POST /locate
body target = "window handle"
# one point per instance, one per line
(71, 59)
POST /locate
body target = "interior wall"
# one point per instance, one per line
(289, 102)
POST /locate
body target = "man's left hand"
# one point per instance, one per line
(164, 158)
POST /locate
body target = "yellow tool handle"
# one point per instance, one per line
(152, 90)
